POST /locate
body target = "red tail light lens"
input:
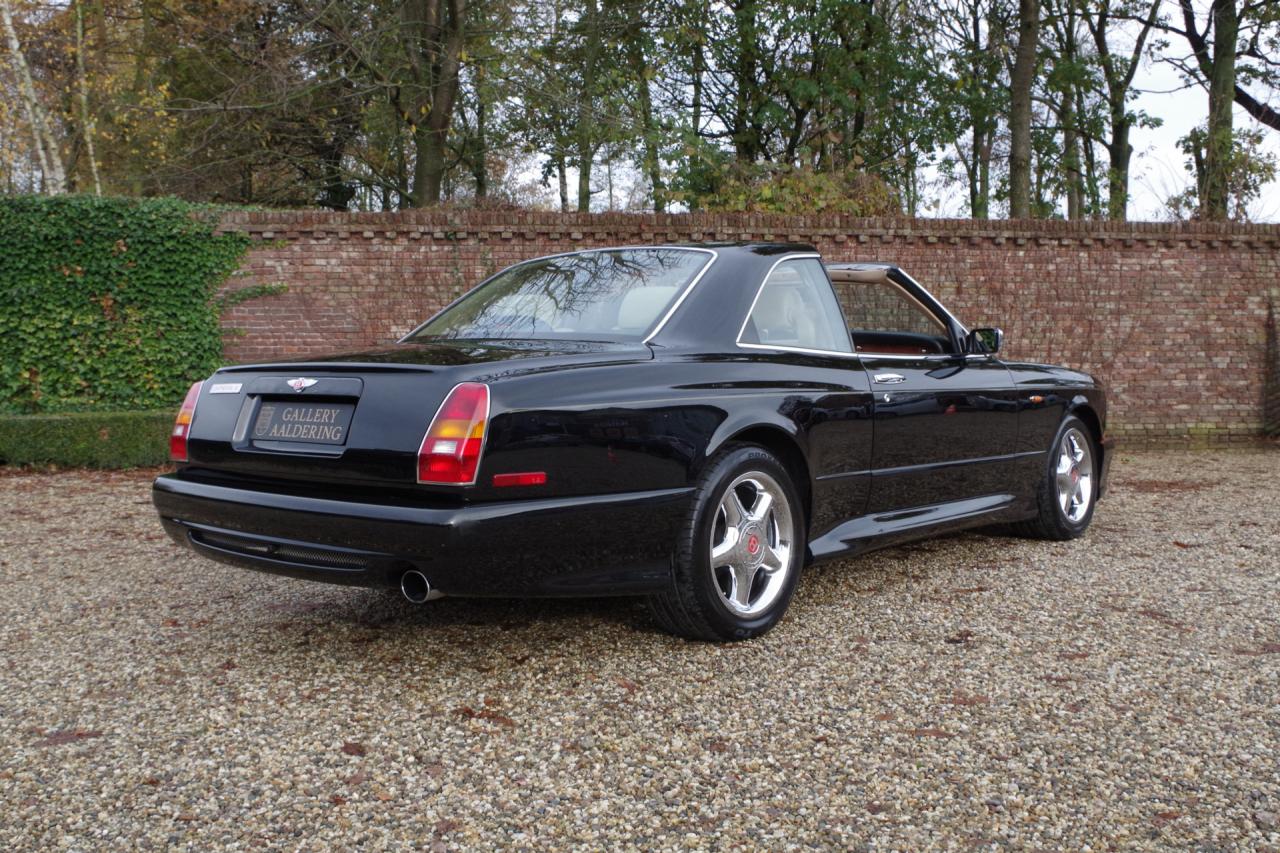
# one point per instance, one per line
(450, 451)
(182, 425)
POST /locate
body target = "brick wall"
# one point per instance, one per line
(1172, 317)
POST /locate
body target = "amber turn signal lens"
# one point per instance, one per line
(450, 451)
(182, 425)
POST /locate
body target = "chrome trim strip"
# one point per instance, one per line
(929, 467)
(743, 328)
(961, 326)
(675, 306)
(780, 348)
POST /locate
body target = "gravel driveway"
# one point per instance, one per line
(974, 692)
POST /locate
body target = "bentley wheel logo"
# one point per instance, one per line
(301, 383)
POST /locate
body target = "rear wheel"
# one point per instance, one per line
(738, 557)
(1068, 488)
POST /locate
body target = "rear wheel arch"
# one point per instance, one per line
(784, 446)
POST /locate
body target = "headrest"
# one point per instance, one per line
(641, 305)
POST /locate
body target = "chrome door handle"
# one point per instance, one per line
(890, 378)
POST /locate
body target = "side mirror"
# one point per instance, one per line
(984, 341)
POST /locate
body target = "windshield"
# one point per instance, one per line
(613, 295)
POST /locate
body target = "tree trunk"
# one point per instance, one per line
(1119, 151)
(480, 164)
(1222, 85)
(433, 32)
(87, 125)
(1024, 69)
(562, 175)
(652, 165)
(584, 129)
(50, 159)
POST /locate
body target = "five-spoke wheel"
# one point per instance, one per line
(738, 557)
(1074, 474)
(751, 543)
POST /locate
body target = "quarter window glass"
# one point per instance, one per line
(796, 307)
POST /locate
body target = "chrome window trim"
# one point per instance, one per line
(952, 317)
(797, 256)
(688, 288)
(675, 306)
(805, 350)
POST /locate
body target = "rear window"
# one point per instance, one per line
(611, 295)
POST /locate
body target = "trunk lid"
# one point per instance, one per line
(357, 418)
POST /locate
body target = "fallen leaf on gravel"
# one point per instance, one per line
(1163, 618)
(151, 780)
(445, 826)
(876, 808)
(68, 736)
(382, 795)
(929, 732)
(357, 778)
(186, 816)
(338, 800)
(1187, 544)
(467, 712)
(1264, 649)
(1166, 817)
(627, 684)
(1072, 655)
(351, 748)
(959, 698)
(883, 717)
(960, 637)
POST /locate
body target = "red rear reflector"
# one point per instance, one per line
(525, 478)
(182, 425)
(450, 451)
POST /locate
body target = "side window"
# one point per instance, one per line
(796, 307)
(884, 318)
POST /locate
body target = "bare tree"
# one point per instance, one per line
(1024, 71)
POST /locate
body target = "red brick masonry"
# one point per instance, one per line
(1172, 317)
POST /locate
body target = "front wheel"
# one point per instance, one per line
(738, 557)
(1068, 488)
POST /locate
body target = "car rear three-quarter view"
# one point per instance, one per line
(690, 424)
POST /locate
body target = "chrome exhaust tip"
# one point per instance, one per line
(415, 586)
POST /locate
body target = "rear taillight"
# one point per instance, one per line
(182, 426)
(450, 451)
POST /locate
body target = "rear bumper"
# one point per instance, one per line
(597, 545)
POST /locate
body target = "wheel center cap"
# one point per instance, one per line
(1075, 475)
(753, 544)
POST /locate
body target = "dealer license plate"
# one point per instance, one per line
(315, 423)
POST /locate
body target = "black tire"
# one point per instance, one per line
(694, 606)
(1051, 520)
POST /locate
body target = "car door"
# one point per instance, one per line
(795, 319)
(944, 423)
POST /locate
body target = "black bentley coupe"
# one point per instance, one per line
(691, 424)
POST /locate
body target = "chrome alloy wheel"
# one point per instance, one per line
(1074, 475)
(751, 544)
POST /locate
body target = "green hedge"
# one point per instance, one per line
(92, 439)
(108, 303)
